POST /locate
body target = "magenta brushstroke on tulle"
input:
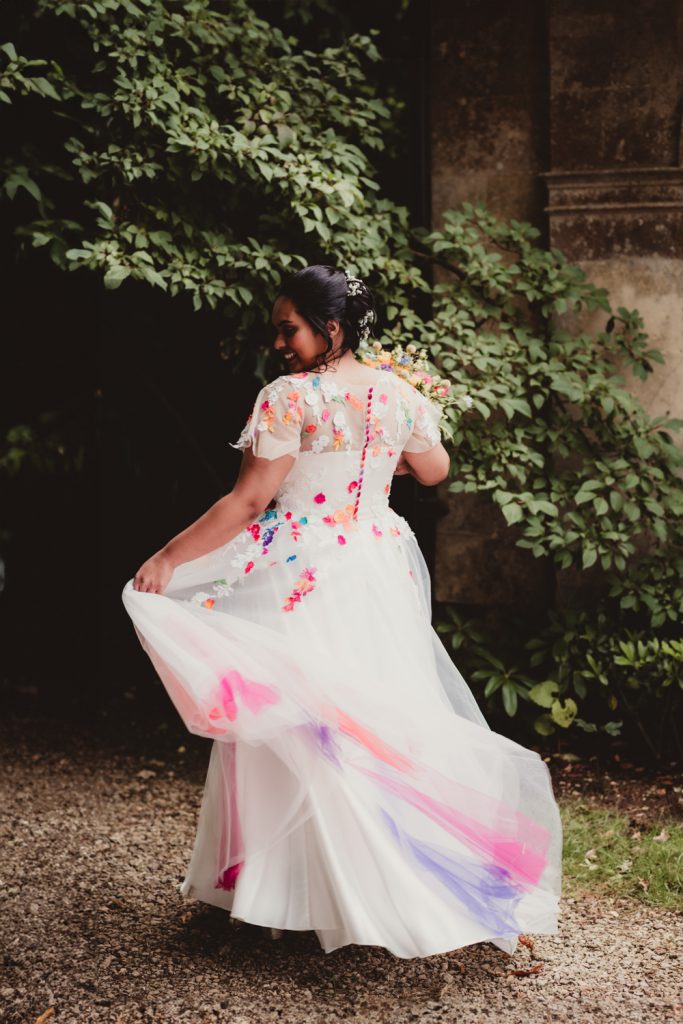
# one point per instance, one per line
(255, 696)
(228, 877)
(475, 885)
(516, 854)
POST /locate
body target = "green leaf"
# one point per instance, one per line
(544, 693)
(589, 556)
(115, 275)
(564, 712)
(513, 513)
(544, 725)
(509, 698)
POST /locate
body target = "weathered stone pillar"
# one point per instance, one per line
(567, 114)
(489, 141)
(615, 183)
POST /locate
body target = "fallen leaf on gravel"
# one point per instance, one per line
(145, 773)
(526, 941)
(527, 970)
(44, 1016)
(590, 856)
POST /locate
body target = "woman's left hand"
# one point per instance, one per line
(402, 467)
(153, 575)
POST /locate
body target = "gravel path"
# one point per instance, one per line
(95, 839)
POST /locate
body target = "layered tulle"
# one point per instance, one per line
(354, 786)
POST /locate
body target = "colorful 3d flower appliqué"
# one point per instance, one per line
(340, 515)
(303, 586)
(266, 420)
(338, 438)
(354, 400)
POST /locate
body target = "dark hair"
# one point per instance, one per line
(320, 293)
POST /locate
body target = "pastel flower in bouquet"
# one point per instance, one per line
(412, 363)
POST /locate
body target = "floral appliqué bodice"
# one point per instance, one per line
(346, 439)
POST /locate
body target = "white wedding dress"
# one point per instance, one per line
(354, 787)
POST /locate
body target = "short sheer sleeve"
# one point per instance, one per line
(273, 427)
(426, 433)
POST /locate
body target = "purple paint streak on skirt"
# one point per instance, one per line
(482, 888)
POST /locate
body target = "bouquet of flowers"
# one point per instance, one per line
(412, 363)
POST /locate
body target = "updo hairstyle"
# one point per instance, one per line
(321, 293)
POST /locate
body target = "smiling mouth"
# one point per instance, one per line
(289, 356)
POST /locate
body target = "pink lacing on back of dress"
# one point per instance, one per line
(363, 451)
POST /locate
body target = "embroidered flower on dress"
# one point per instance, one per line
(319, 443)
(339, 438)
(340, 515)
(266, 421)
(303, 586)
(354, 400)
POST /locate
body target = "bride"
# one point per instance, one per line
(354, 787)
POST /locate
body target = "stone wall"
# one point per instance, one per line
(566, 114)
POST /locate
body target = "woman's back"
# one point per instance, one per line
(346, 435)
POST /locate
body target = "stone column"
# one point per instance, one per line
(615, 185)
(489, 141)
(566, 114)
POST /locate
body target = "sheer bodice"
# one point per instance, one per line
(346, 438)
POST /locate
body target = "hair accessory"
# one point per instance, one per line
(364, 324)
(354, 284)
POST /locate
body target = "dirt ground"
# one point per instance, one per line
(97, 827)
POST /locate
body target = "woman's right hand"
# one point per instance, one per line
(153, 575)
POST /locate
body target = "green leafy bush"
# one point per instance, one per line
(583, 476)
(195, 147)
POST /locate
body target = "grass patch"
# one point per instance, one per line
(603, 854)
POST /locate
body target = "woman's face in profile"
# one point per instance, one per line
(296, 341)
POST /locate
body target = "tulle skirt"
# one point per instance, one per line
(354, 787)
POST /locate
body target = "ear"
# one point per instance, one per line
(333, 327)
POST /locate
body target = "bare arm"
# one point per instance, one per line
(430, 467)
(258, 481)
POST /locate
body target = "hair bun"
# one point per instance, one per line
(323, 292)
